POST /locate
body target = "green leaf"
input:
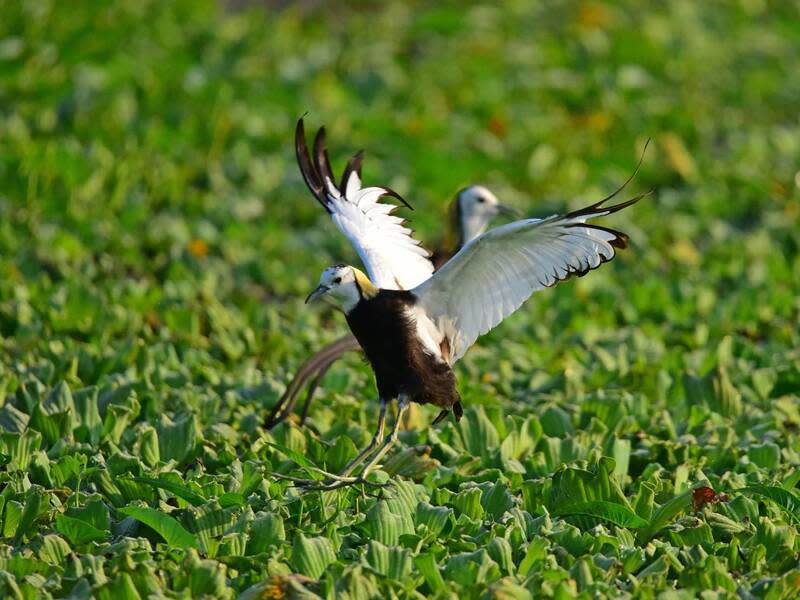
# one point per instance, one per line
(426, 564)
(708, 575)
(68, 469)
(177, 439)
(21, 566)
(94, 513)
(229, 499)
(149, 450)
(468, 502)
(791, 480)
(621, 453)
(785, 499)
(206, 577)
(12, 419)
(77, 531)
(181, 491)
(714, 390)
(60, 398)
(413, 462)
(729, 399)
(311, 556)
(208, 523)
(617, 514)
(394, 563)
(292, 455)
(232, 544)
(438, 519)
(555, 422)
(338, 455)
(119, 416)
(121, 588)
(478, 434)
(537, 551)
(471, 568)
(12, 517)
(693, 536)
(163, 524)
(88, 426)
(34, 500)
(664, 515)
(500, 551)
(39, 469)
(386, 525)
(266, 532)
(54, 550)
(572, 485)
(496, 500)
(766, 455)
(53, 425)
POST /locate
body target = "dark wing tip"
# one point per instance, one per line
(596, 210)
(627, 181)
(353, 166)
(358, 158)
(310, 175)
(390, 192)
(321, 159)
(627, 203)
(620, 240)
(316, 171)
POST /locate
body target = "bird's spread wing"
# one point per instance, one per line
(392, 257)
(494, 274)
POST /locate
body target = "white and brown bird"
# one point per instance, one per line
(469, 215)
(414, 325)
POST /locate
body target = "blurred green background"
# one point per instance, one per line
(156, 243)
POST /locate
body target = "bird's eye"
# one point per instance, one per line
(481, 200)
(337, 280)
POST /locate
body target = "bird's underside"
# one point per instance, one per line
(385, 328)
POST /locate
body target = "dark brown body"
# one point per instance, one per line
(398, 359)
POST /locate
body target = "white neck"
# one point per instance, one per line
(472, 227)
(344, 297)
(349, 297)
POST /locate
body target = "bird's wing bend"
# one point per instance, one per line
(392, 257)
(495, 273)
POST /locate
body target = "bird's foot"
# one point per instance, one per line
(330, 482)
(372, 454)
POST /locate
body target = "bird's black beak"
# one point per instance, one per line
(503, 209)
(321, 289)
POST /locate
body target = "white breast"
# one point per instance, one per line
(429, 335)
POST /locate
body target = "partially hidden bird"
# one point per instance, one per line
(469, 215)
(414, 324)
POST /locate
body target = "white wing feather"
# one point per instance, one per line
(392, 257)
(494, 274)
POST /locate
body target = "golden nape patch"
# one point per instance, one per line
(368, 289)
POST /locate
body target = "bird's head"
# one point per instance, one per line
(477, 206)
(343, 287)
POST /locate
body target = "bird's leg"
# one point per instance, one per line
(402, 407)
(362, 456)
(344, 479)
(344, 475)
(333, 481)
